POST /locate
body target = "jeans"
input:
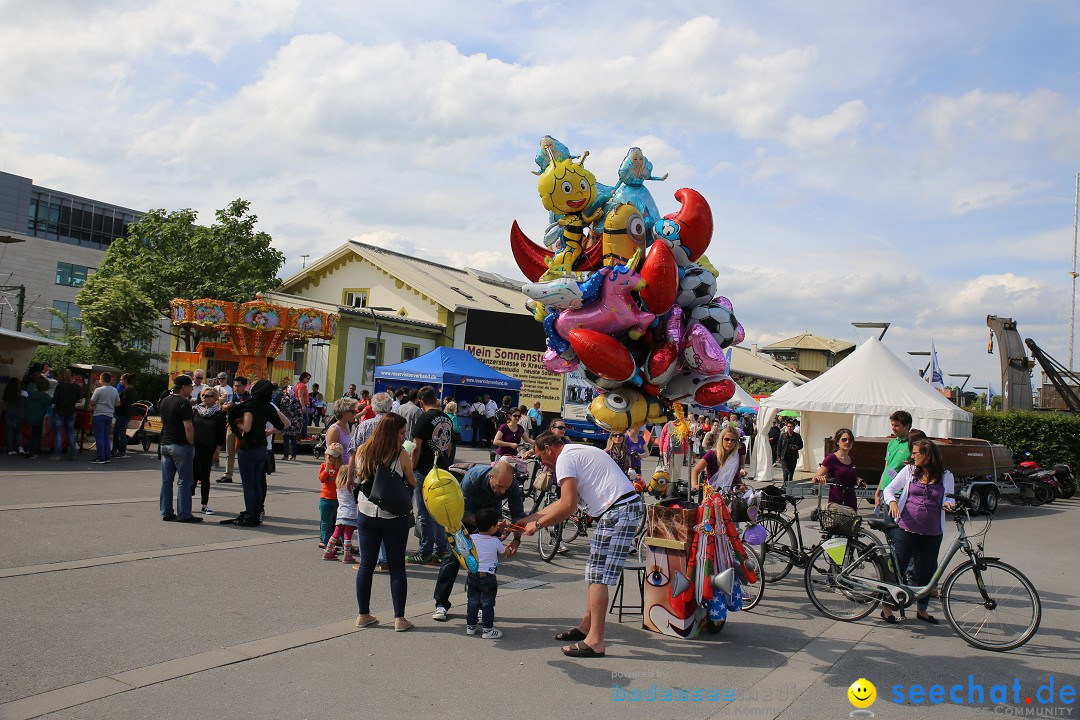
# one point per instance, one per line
(327, 518)
(252, 465)
(176, 460)
(923, 549)
(444, 585)
(788, 464)
(201, 465)
(60, 423)
(482, 589)
(119, 435)
(432, 535)
(33, 445)
(289, 443)
(13, 423)
(102, 435)
(393, 533)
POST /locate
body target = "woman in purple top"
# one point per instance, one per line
(635, 446)
(839, 469)
(510, 435)
(916, 499)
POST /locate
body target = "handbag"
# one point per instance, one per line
(389, 491)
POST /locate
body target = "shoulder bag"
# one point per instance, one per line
(389, 491)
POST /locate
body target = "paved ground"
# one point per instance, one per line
(110, 613)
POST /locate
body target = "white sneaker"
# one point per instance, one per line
(492, 634)
(206, 510)
(439, 614)
(563, 549)
(470, 629)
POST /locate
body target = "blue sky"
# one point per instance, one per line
(904, 162)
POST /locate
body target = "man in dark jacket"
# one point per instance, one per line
(790, 445)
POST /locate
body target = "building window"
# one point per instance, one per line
(409, 352)
(298, 356)
(355, 297)
(60, 217)
(372, 359)
(72, 275)
(69, 315)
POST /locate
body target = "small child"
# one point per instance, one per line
(346, 514)
(482, 586)
(328, 472)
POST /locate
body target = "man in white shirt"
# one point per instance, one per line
(103, 404)
(197, 388)
(224, 390)
(609, 497)
(490, 408)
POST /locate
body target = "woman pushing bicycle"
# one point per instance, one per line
(839, 467)
(722, 466)
(916, 499)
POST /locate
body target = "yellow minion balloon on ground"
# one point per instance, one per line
(446, 505)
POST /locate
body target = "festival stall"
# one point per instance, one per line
(860, 393)
(454, 373)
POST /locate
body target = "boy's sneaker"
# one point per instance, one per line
(418, 559)
(470, 630)
(206, 510)
(492, 633)
(98, 461)
(439, 614)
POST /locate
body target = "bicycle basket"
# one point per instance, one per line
(838, 522)
(771, 499)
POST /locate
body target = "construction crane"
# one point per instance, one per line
(1057, 373)
(1015, 364)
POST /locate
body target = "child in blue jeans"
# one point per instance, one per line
(482, 586)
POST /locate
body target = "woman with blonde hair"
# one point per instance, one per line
(722, 465)
(376, 526)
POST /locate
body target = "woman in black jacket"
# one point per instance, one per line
(209, 423)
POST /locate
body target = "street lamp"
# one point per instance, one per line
(883, 326)
(922, 353)
(378, 336)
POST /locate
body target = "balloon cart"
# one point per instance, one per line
(255, 331)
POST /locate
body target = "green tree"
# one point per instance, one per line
(166, 255)
(757, 386)
(115, 314)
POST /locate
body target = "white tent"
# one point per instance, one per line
(860, 393)
(761, 461)
(745, 399)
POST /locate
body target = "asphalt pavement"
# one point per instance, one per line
(111, 613)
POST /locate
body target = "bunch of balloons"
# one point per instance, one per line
(624, 293)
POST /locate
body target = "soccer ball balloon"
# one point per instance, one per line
(718, 320)
(696, 287)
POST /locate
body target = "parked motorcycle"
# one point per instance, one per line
(1048, 484)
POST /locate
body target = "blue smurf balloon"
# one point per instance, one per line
(633, 172)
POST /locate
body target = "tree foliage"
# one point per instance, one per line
(1050, 437)
(757, 386)
(116, 315)
(166, 255)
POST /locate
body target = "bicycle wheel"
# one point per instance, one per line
(573, 527)
(753, 592)
(1011, 619)
(841, 591)
(548, 540)
(780, 547)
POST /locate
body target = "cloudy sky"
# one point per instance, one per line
(876, 161)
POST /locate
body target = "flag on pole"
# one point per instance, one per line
(989, 395)
(937, 380)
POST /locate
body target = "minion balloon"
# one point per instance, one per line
(446, 504)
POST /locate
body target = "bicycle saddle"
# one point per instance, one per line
(883, 524)
(793, 499)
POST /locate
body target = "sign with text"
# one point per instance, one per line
(514, 345)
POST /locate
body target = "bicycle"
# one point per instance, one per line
(990, 604)
(784, 548)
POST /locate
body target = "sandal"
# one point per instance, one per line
(581, 650)
(571, 634)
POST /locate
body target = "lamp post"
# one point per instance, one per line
(883, 326)
(922, 353)
(378, 337)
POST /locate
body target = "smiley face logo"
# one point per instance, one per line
(862, 693)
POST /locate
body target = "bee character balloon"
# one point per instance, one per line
(566, 188)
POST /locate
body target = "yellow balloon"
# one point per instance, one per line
(444, 499)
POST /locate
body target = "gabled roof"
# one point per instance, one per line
(759, 365)
(452, 288)
(806, 341)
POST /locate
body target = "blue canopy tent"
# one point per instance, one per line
(451, 372)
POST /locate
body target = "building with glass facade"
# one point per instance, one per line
(50, 243)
